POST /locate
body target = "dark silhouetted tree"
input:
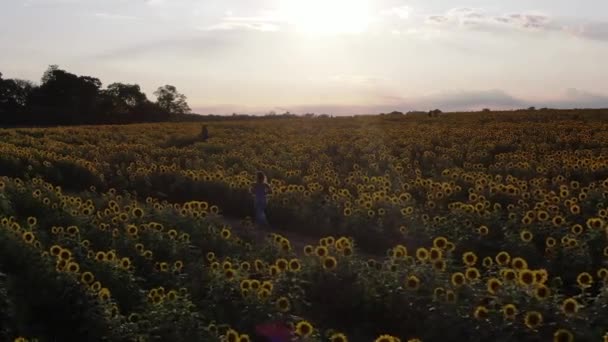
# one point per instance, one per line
(66, 97)
(169, 99)
(14, 95)
(125, 98)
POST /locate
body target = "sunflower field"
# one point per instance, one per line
(465, 227)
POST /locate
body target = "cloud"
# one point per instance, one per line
(229, 26)
(113, 16)
(203, 45)
(473, 18)
(590, 30)
(402, 12)
(576, 98)
(265, 21)
(477, 19)
(155, 2)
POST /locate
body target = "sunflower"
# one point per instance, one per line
(245, 284)
(435, 254)
(481, 312)
(472, 274)
(570, 307)
(244, 338)
(439, 265)
(577, 229)
(450, 296)
(508, 274)
(541, 292)
(385, 338)
(28, 237)
(274, 270)
(526, 236)
(132, 230)
(563, 335)
(602, 274)
(87, 278)
(295, 265)
(226, 265)
(330, 263)
(225, 233)
(503, 258)
(438, 293)
(283, 304)
(533, 319)
(95, 287)
(266, 284)
(104, 294)
(338, 337)
(483, 230)
(550, 242)
(31, 221)
(412, 283)
(304, 329)
(440, 242)
(469, 258)
(558, 221)
(210, 256)
(55, 250)
(321, 251)
(137, 212)
(282, 264)
(519, 263)
(458, 279)
(110, 256)
(125, 263)
(526, 277)
(487, 262)
(232, 336)
(542, 215)
(541, 276)
(263, 294)
(308, 250)
(509, 312)
(584, 280)
(422, 254)
(493, 285)
(73, 267)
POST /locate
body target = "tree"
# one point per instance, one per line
(14, 94)
(435, 113)
(68, 97)
(125, 98)
(169, 99)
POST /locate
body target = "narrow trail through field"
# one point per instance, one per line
(297, 240)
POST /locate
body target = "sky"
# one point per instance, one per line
(322, 56)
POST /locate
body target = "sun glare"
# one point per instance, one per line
(327, 16)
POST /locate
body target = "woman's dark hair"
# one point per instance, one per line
(260, 176)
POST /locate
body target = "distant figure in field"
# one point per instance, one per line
(204, 133)
(260, 190)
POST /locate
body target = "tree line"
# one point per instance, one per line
(63, 98)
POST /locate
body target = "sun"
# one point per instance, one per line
(327, 16)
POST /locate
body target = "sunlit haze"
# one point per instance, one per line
(322, 56)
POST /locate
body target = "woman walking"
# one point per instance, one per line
(260, 191)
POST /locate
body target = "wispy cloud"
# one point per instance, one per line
(114, 16)
(401, 12)
(478, 19)
(265, 21)
(590, 30)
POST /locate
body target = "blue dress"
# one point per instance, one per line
(260, 201)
